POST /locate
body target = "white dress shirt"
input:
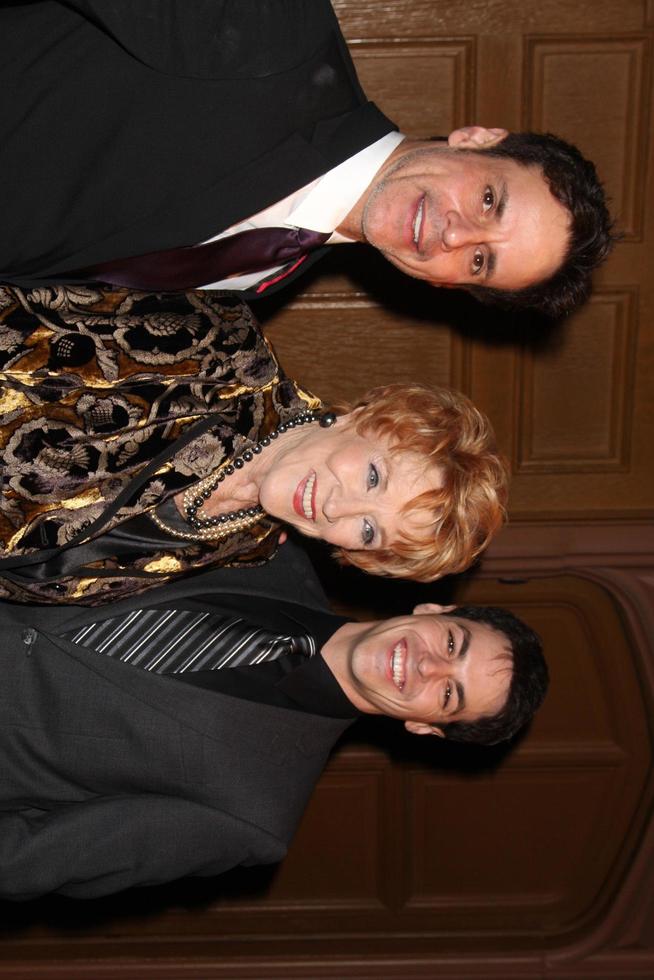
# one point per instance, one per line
(319, 206)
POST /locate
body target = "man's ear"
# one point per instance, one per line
(431, 609)
(422, 728)
(475, 138)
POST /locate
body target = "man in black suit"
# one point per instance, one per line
(113, 776)
(137, 128)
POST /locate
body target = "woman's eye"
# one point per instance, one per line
(478, 262)
(373, 476)
(367, 533)
(488, 200)
(450, 643)
(448, 694)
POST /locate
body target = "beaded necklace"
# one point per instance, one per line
(223, 525)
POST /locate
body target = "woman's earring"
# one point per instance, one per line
(327, 420)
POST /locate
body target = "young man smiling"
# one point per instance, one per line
(127, 757)
(437, 670)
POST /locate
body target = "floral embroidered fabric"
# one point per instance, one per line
(112, 401)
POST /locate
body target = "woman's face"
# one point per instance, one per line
(346, 488)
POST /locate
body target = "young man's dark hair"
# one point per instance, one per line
(573, 181)
(529, 679)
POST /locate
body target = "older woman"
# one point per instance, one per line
(145, 436)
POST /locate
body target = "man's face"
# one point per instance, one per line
(458, 217)
(428, 669)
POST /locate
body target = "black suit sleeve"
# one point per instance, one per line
(214, 38)
(106, 844)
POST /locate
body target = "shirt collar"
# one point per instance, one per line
(329, 199)
(309, 683)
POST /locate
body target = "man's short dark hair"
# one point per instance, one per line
(573, 181)
(528, 682)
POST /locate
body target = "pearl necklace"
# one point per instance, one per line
(223, 525)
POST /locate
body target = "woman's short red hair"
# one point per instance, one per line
(446, 429)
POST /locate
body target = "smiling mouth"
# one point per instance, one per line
(398, 664)
(417, 222)
(304, 498)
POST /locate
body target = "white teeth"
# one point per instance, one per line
(417, 223)
(397, 666)
(307, 505)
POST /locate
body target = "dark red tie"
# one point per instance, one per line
(187, 268)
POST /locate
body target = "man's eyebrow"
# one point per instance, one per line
(467, 636)
(500, 208)
(461, 697)
(491, 262)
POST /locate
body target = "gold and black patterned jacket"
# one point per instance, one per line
(112, 401)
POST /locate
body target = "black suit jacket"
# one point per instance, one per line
(111, 776)
(130, 127)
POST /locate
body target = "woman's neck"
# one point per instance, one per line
(271, 455)
(241, 488)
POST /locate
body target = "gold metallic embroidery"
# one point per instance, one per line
(92, 496)
(164, 566)
(11, 400)
(82, 587)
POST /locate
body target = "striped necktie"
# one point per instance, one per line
(171, 641)
(186, 268)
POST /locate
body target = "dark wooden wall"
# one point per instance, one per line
(418, 859)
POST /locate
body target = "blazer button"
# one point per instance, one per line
(29, 637)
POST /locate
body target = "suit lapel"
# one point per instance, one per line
(257, 592)
(265, 729)
(296, 161)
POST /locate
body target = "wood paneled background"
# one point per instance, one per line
(418, 859)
